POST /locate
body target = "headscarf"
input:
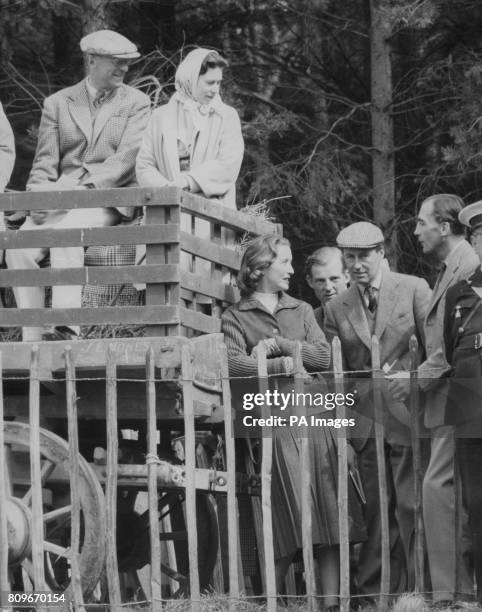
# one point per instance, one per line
(187, 75)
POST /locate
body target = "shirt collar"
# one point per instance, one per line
(92, 91)
(285, 301)
(376, 283)
(450, 256)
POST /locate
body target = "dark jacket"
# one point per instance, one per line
(463, 350)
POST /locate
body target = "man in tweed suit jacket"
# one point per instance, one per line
(89, 136)
(391, 306)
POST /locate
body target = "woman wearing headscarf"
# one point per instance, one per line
(194, 141)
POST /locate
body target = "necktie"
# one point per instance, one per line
(370, 292)
(440, 274)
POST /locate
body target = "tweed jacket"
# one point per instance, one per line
(215, 160)
(103, 153)
(402, 303)
(247, 322)
(460, 264)
(7, 150)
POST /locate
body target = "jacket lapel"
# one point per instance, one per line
(106, 111)
(356, 316)
(169, 134)
(447, 277)
(80, 110)
(387, 299)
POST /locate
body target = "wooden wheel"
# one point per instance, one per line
(54, 453)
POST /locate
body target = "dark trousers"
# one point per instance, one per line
(469, 460)
(400, 490)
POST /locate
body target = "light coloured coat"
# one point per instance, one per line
(7, 150)
(215, 160)
(460, 264)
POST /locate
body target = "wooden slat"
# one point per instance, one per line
(343, 523)
(74, 473)
(90, 236)
(217, 213)
(209, 251)
(4, 581)
(37, 533)
(92, 407)
(98, 198)
(205, 286)
(112, 569)
(190, 451)
(45, 277)
(417, 468)
(266, 467)
(157, 294)
(200, 322)
(114, 315)
(233, 535)
(382, 476)
(305, 479)
(90, 353)
(155, 575)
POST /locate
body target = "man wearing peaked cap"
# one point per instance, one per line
(463, 342)
(88, 138)
(391, 306)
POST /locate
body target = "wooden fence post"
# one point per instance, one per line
(112, 569)
(305, 479)
(233, 538)
(382, 475)
(4, 495)
(342, 483)
(190, 450)
(152, 460)
(35, 473)
(266, 467)
(417, 468)
(71, 398)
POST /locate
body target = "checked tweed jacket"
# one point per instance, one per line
(69, 141)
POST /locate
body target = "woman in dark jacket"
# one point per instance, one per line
(267, 314)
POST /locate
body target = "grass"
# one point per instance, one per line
(220, 603)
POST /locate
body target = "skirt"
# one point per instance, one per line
(286, 492)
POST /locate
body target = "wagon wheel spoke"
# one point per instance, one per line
(27, 573)
(46, 470)
(8, 469)
(53, 515)
(59, 551)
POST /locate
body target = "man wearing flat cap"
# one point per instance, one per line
(88, 138)
(463, 351)
(391, 306)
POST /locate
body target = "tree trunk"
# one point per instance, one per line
(383, 161)
(94, 15)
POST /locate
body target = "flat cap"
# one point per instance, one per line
(361, 235)
(107, 42)
(471, 215)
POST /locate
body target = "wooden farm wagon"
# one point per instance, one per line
(117, 453)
